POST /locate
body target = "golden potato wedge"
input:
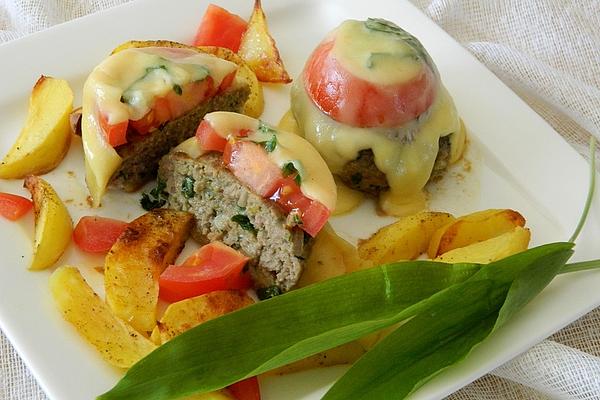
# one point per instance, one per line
(330, 256)
(489, 250)
(116, 341)
(188, 313)
(347, 199)
(45, 138)
(259, 50)
(254, 105)
(473, 228)
(345, 354)
(133, 265)
(405, 239)
(53, 225)
(288, 123)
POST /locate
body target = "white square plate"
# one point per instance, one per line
(517, 161)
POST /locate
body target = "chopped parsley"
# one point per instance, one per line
(270, 144)
(290, 169)
(156, 198)
(177, 89)
(187, 187)
(268, 292)
(244, 222)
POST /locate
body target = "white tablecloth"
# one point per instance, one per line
(548, 52)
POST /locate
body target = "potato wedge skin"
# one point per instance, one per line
(45, 138)
(330, 256)
(53, 224)
(405, 239)
(254, 105)
(186, 314)
(133, 265)
(117, 342)
(490, 250)
(472, 228)
(259, 50)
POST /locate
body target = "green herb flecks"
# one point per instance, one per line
(187, 187)
(289, 169)
(270, 144)
(156, 198)
(374, 58)
(177, 89)
(268, 292)
(382, 25)
(244, 222)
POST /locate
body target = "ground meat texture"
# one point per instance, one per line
(142, 154)
(228, 211)
(363, 175)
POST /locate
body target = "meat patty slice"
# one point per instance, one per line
(228, 211)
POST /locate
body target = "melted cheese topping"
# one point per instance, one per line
(374, 56)
(137, 75)
(406, 163)
(317, 181)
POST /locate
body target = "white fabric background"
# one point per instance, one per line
(547, 51)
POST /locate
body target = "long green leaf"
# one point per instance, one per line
(450, 324)
(286, 328)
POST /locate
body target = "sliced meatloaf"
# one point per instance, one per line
(142, 153)
(228, 211)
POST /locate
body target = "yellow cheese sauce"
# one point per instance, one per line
(374, 56)
(317, 181)
(406, 163)
(142, 73)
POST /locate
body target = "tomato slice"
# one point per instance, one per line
(97, 234)
(209, 139)
(115, 135)
(250, 163)
(14, 207)
(354, 101)
(289, 197)
(248, 389)
(214, 266)
(220, 28)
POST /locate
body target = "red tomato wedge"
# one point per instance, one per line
(220, 28)
(357, 102)
(250, 163)
(248, 389)
(289, 197)
(14, 207)
(209, 139)
(97, 234)
(115, 135)
(214, 266)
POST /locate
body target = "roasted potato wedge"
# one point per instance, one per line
(259, 50)
(115, 340)
(345, 354)
(254, 105)
(330, 256)
(473, 228)
(186, 314)
(487, 251)
(288, 123)
(53, 225)
(405, 239)
(133, 265)
(45, 138)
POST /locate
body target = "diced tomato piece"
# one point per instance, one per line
(248, 389)
(14, 207)
(162, 112)
(220, 28)
(143, 125)
(209, 139)
(97, 234)
(214, 266)
(289, 197)
(190, 96)
(115, 135)
(250, 163)
(354, 101)
(227, 81)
